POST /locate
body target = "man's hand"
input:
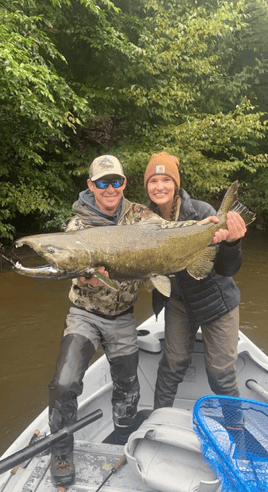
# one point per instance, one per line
(94, 281)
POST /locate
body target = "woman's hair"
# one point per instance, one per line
(174, 206)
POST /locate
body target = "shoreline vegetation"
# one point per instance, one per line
(82, 79)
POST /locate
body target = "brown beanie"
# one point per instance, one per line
(162, 163)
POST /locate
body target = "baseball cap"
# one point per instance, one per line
(105, 165)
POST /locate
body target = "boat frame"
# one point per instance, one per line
(94, 455)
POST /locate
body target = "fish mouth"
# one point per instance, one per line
(40, 271)
(44, 271)
(57, 266)
(47, 271)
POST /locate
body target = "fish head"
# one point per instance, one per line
(67, 257)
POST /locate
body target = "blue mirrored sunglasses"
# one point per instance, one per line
(104, 183)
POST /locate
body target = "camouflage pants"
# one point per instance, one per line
(220, 339)
(81, 337)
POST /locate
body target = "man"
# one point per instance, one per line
(98, 314)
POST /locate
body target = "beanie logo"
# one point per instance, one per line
(160, 169)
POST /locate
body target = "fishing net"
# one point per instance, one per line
(233, 434)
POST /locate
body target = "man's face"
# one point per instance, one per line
(108, 199)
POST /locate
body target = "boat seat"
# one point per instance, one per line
(150, 340)
(165, 453)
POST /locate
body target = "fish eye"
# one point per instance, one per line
(51, 250)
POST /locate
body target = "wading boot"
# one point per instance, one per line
(66, 385)
(62, 468)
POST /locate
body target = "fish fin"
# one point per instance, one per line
(229, 199)
(111, 284)
(148, 285)
(162, 284)
(204, 264)
(230, 203)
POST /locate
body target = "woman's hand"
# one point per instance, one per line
(236, 228)
(219, 235)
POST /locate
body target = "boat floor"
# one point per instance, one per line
(93, 462)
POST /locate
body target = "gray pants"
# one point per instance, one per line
(220, 339)
(84, 331)
(118, 336)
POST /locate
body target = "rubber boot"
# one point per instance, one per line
(121, 434)
(62, 468)
(75, 354)
(126, 394)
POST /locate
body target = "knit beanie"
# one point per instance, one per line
(162, 163)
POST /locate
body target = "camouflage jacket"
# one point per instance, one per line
(103, 299)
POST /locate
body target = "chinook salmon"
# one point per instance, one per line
(146, 250)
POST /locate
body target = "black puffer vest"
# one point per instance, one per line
(210, 298)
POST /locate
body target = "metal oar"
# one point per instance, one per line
(117, 465)
(44, 443)
(25, 463)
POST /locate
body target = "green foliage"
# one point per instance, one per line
(194, 99)
(255, 194)
(177, 58)
(213, 150)
(81, 77)
(38, 109)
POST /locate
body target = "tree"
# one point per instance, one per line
(142, 77)
(42, 104)
(191, 101)
(38, 109)
(165, 73)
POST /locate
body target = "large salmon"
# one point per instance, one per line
(145, 250)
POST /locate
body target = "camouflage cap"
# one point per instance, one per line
(105, 165)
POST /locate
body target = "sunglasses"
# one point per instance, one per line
(104, 183)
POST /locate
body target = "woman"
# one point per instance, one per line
(212, 303)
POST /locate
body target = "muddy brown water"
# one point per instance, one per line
(33, 312)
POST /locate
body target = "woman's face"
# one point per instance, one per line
(161, 189)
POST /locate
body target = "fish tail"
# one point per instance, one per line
(245, 213)
(230, 203)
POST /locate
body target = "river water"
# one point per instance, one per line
(33, 312)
